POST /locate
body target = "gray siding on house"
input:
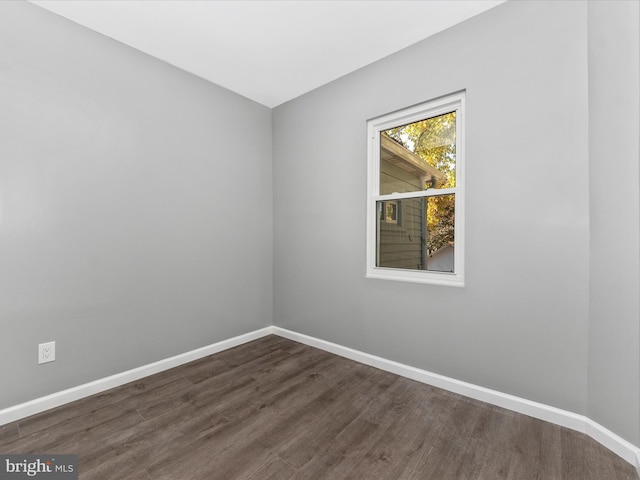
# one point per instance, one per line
(402, 244)
(395, 179)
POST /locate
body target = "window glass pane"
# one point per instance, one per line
(416, 233)
(419, 155)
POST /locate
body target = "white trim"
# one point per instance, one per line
(416, 276)
(557, 416)
(449, 103)
(431, 192)
(613, 442)
(564, 418)
(41, 404)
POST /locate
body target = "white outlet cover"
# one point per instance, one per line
(46, 352)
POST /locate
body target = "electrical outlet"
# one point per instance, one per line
(46, 352)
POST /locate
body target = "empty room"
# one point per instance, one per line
(259, 240)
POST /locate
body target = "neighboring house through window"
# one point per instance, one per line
(415, 219)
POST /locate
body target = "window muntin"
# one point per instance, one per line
(415, 170)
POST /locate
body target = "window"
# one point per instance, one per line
(415, 211)
(389, 212)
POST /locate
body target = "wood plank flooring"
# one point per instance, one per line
(274, 409)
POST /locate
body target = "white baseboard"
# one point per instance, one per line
(557, 416)
(613, 442)
(38, 405)
(564, 418)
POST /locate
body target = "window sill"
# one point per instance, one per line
(416, 276)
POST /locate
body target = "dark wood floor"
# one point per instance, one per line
(274, 409)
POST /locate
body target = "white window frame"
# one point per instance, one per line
(440, 106)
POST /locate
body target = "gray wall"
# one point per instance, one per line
(135, 215)
(614, 136)
(550, 311)
(521, 323)
(135, 218)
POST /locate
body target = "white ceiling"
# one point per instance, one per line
(268, 51)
